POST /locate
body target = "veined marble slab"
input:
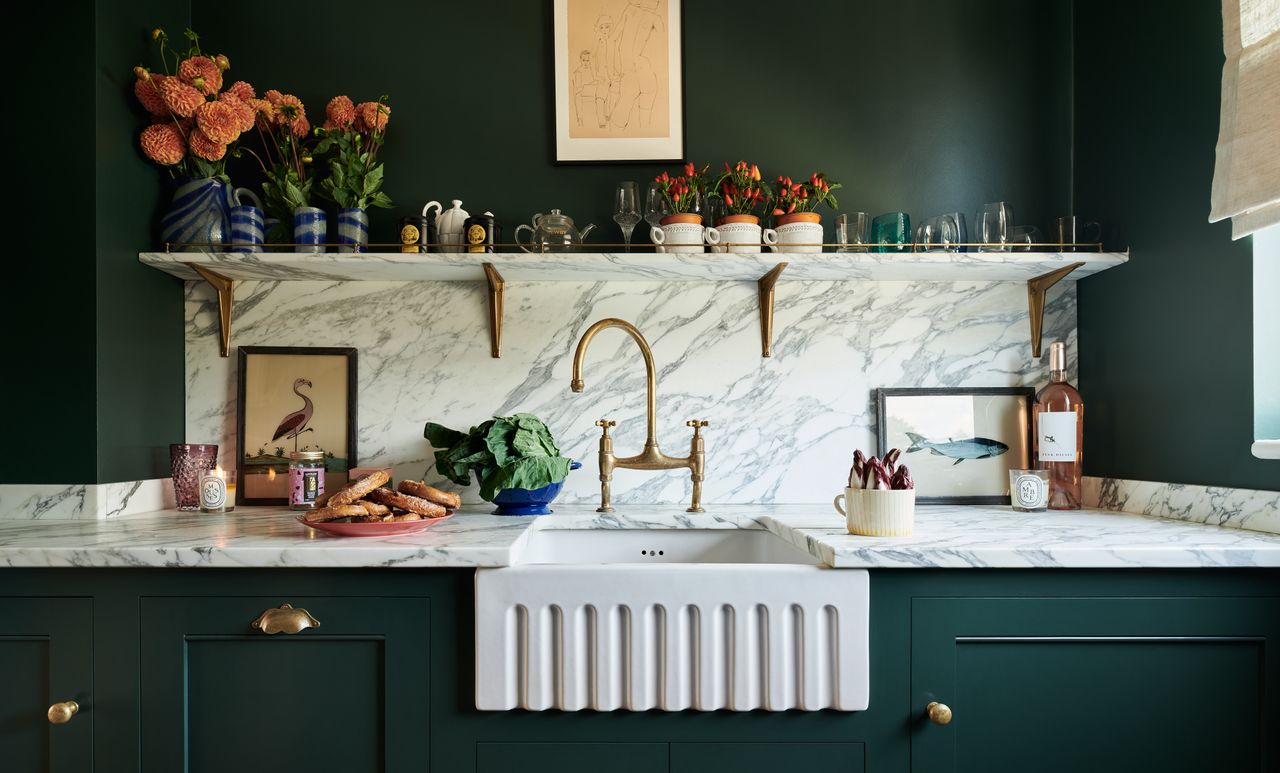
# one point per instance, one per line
(78, 501)
(782, 429)
(945, 537)
(1252, 509)
(634, 266)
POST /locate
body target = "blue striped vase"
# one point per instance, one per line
(353, 230)
(247, 229)
(309, 229)
(200, 214)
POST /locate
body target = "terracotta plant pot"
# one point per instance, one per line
(682, 217)
(799, 232)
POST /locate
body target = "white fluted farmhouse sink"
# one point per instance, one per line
(669, 619)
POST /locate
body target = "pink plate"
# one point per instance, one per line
(375, 529)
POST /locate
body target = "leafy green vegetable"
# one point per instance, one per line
(505, 452)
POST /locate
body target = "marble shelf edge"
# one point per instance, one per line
(637, 266)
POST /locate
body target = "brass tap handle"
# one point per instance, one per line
(939, 713)
(284, 619)
(61, 713)
(605, 424)
(697, 425)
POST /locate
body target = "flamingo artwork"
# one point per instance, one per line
(295, 424)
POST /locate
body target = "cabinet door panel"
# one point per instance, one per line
(766, 757)
(46, 656)
(1095, 684)
(350, 695)
(571, 757)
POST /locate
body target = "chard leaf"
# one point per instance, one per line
(441, 436)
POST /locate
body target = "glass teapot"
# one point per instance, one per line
(552, 232)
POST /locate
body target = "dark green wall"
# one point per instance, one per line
(925, 106)
(139, 332)
(1165, 341)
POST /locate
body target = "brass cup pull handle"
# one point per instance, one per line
(61, 713)
(284, 619)
(939, 713)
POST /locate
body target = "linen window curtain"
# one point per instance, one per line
(1246, 178)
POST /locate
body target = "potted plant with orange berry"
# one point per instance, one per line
(743, 194)
(793, 207)
(681, 228)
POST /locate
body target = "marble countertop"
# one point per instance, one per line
(945, 537)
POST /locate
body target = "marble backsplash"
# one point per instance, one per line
(782, 429)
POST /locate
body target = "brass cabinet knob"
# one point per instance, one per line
(284, 619)
(61, 713)
(939, 713)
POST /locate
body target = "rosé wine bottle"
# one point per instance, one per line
(1059, 433)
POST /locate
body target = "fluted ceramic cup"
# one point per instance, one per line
(309, 229)
(248, 230)
(878, 512)
(353, 230)
(743, 234)
(687, 236)
(799, 232)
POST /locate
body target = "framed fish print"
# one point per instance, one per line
(960, 443)
(619, 80)
(293, 398)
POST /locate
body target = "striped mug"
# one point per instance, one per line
(247, 227)
(309, 229)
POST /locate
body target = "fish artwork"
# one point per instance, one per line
(969, 448)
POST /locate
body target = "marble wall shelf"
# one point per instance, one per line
(1040, 270)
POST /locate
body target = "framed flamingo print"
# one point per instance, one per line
(293, 398)
(619, 80)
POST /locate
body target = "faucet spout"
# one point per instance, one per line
(651, 374)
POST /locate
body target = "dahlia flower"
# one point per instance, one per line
(202, 73)
(179, 97)
(222, 61)
(264, 112)
(292, 113)
(219, 121)
(147, 89)
(274, 97)
(242, 90)
(244, 113)
(340, 113)
(372, 116)
(204, 147)
(162, 143)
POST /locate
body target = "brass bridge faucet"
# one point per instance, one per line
(651, 458)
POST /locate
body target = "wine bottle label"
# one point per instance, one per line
(1057, 436)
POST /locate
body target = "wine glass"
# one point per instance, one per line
(626, 210)
(655, 206)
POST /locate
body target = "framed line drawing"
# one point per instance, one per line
(293, 398)
(619, 80)
(960, 442)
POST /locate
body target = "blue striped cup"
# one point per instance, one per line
(353, 230)
(247, 228)
(309, 229)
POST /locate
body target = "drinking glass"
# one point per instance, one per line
(188, 462)
(890, 231)
(626, 210)
(993, 223)
(1069, 231)
(962, 230)
(937, 234)
(1023, 238)
(655, 206)
(851, 232)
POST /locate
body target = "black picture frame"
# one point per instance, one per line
(553, 144)
(353, 416)
(1027, 393)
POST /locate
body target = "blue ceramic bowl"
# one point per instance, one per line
(523, 501)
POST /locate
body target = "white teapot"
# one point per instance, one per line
(449, 223)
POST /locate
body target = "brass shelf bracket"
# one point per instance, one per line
(497, 287)
(1036, 290)
(223, 287)
(766, 285)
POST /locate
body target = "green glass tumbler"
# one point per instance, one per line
(889, 232)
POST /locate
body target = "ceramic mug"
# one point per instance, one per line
(248, 230)
(800, 232)
(309, 229)
(683, 237)
(878, 512)
(745, 237)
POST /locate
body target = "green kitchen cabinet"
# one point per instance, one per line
(571, 757)
(767, 757)
(1096, 684)
(350, 694)
(46, 657)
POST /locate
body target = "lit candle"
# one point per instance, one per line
(213, 492)
(229, 478)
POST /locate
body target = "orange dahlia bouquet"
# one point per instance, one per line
(285, 157)
(355, 134)
(195, 122)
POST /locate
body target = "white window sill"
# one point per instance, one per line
(1266, 449)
